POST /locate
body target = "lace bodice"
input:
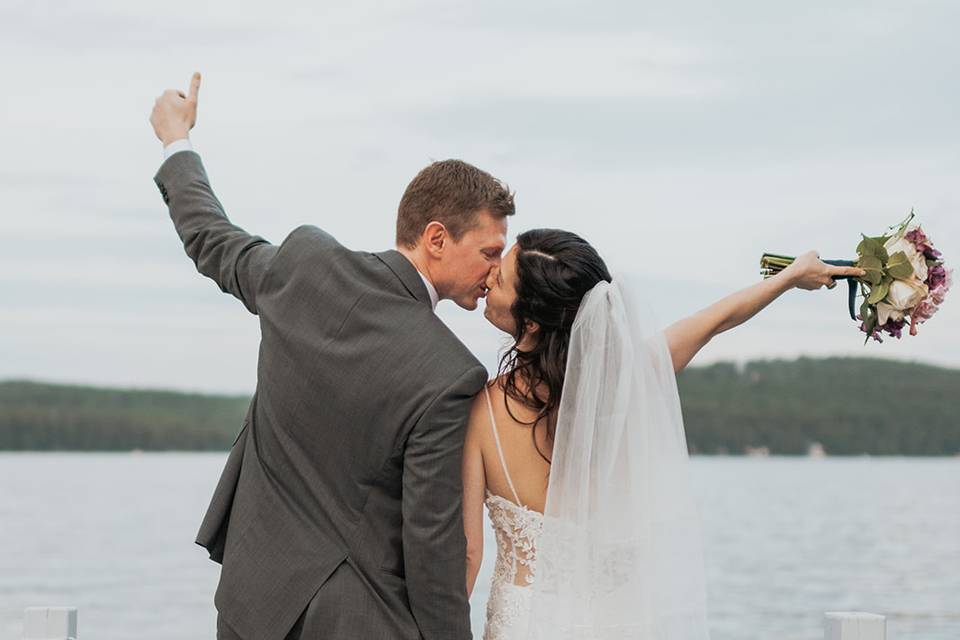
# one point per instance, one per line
(516, 528)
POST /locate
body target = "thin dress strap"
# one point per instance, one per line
(496, 437)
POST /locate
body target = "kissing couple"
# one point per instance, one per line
(351, 504)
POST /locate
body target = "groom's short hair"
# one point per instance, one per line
(453, 193)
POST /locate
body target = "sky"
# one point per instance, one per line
(682, 139)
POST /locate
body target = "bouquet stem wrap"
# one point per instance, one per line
(771, 264)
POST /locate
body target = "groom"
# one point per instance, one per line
(338, 514)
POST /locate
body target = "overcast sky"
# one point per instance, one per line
(683, 139)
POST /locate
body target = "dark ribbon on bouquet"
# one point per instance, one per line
(851, 280)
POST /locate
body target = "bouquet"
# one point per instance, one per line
(906, 281)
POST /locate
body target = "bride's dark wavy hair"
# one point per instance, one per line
(555, 269)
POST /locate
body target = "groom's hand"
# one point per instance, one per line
(174, 113)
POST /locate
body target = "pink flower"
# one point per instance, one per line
(917, 237)
(893, 327)
(936, 276)
(939, 293)
(922, 243)
(923, 311)
(876, 331)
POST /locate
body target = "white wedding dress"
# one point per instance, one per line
(616, 553)
(517, 528)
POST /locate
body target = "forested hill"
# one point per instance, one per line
(37, 416)
(849, 405)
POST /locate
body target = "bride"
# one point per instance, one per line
(578, 451)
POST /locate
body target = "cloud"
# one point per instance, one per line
(682, 139)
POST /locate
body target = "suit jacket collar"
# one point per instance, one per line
(407, 274)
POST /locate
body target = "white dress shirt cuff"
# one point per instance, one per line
(183, 144)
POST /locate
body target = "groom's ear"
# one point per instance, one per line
(435, 238)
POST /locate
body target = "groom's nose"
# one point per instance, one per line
(491, 277)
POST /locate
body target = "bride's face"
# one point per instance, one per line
(501, 293)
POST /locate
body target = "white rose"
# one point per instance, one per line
(885, 312)
(895, 244)
(917, 259)
(905, 294)
(919, 263)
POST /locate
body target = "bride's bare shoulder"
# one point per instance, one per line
(479, 418)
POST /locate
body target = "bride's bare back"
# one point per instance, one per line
(484, 477)
(528, 469)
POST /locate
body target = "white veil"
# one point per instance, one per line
(619, 555)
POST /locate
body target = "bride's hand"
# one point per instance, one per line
(810, 273)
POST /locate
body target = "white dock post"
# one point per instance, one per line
(853, 625)
(50, 623)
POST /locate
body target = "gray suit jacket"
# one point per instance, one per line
(349, 458)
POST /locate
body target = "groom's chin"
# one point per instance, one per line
(470, 304)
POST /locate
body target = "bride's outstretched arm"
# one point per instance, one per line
(474, 486)
(687, 336)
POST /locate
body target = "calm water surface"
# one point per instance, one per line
(786, 540)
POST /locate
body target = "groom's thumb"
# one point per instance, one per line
(194, 87)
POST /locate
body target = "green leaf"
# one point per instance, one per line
(871, 323)
(881, 251)
(899, 266)
(879, 292)
(874, 268)
(871, 247)
(868, 315)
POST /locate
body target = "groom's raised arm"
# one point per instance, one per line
(234, 259)
(434, 545)
(222, 251)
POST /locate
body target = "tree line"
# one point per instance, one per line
(850, 406)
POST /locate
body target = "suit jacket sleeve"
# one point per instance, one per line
(434, 545)
(222, 251)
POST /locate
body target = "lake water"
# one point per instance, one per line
(786, 540)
